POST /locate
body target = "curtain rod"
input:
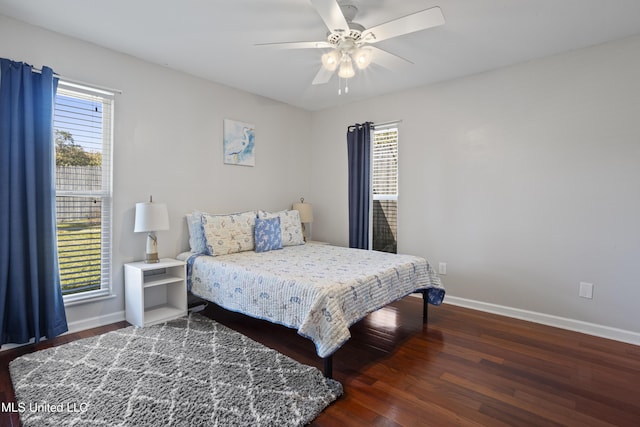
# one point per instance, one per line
(358, 125)
(78, 82)
(373, 125)
(392, 122)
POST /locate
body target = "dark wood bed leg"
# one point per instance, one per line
(425, 307)
(328, 366)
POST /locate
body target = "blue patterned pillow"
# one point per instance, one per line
(267, 234)
(196, 233)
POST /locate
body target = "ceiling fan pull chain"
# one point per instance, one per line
(346, 86)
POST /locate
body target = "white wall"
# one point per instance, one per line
(524, 180)
(168, 143)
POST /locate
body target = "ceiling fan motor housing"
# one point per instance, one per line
(355, 29)
(336, 37)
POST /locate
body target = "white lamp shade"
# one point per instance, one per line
(330, 60)
(151, 217)
(362, 57)
(346, 70)
(306, 211)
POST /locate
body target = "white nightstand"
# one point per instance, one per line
(155, 293)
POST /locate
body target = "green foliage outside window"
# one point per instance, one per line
(68, 153)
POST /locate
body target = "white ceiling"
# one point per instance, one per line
(215, 39)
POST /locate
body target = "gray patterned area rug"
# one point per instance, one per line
(187, 372)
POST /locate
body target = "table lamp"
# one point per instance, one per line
(151, 217)
(306, 214)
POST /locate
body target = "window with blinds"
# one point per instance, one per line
(384, 188)
(83, 138)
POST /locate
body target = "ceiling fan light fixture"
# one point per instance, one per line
(346, 70)
(330, 60)
(347, 42)
(362, 58)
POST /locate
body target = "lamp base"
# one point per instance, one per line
(152, 249)
(151, 258)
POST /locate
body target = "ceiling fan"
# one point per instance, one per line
(350, 43)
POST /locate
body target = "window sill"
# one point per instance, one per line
(73, 300)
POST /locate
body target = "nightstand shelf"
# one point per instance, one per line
(161, 313)
(161, 279)
(155, 293)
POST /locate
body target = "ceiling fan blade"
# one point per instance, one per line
(322, 77)
(409, 24)
(296, 45)
(331, 14)
(388, 60)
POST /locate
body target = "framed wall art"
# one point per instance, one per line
(239, 143)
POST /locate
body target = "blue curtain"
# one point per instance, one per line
(31, 304)
(359, 155)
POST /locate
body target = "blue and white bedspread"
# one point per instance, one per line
(320, 290)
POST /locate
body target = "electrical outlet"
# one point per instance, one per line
(442, 268)
(586, 290)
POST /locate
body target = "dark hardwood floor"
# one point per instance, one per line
(462, 368)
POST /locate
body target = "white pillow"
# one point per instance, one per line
(290, 226)
(228, 234)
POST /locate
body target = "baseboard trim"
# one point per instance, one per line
(94, 322)
(549, 320)
(79, 325)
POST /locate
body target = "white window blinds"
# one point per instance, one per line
(384, 188)
(385, 163)
(83, 136)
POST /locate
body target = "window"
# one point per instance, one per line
(384, 188)
(83, 139)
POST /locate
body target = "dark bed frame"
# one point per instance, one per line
(328, 361)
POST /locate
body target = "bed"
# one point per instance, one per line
(320, 290)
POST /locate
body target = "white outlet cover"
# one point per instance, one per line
(442, 268)
(586, 290)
